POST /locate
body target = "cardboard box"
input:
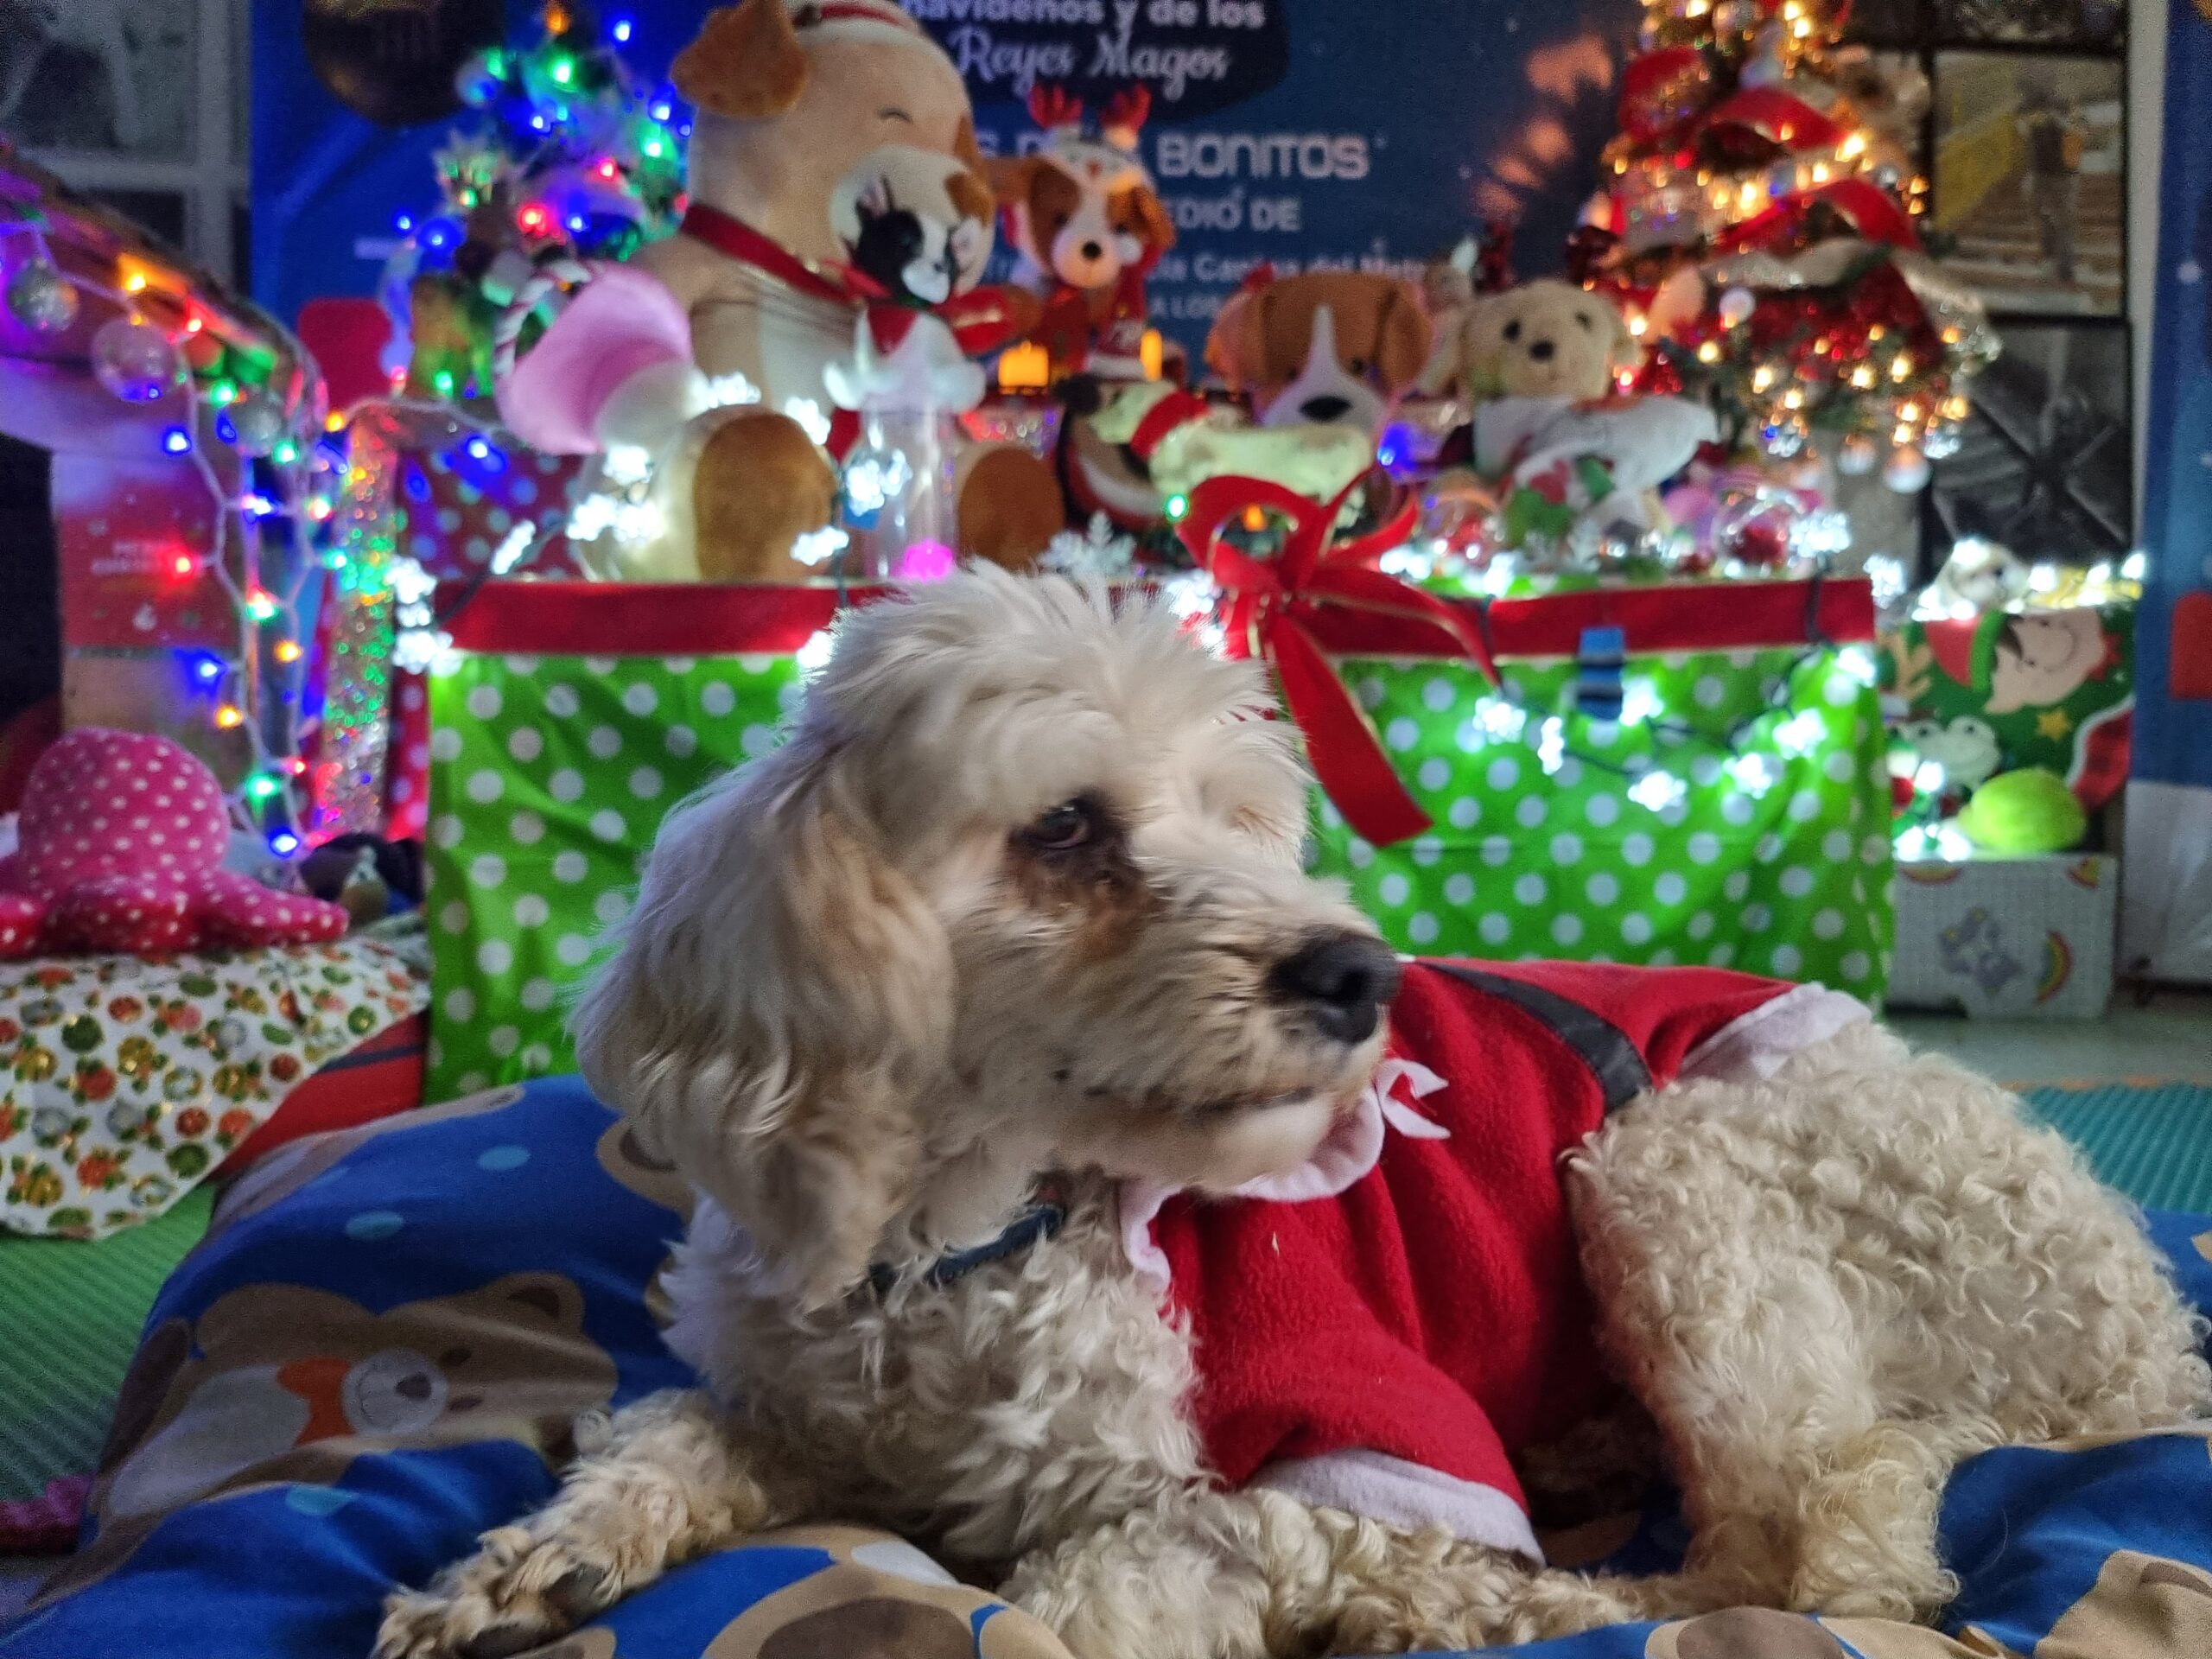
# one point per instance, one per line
(2007, 938)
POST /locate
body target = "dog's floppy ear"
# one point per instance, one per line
(780, 996)
(1153, 222)
(1236, 346)
(966, 151)
(1402, 336)
(747, 62)
(1009, 176)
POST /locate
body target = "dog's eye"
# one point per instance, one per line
(894, 113)
(1066, 827)
(1513, 330)
(1583, 318)
(1357, 365)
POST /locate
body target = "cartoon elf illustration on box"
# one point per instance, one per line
(2057, 686)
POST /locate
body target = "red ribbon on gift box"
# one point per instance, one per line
(1271, 605)
(598, 619)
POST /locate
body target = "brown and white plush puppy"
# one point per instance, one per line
(1021, 898)
(1090, 225)
(830, 138)
(1328, 347)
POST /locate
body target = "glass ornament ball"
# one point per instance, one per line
(1737, 305)
(258, 422)
(136, 360)
(41, 298)
(1908, 471)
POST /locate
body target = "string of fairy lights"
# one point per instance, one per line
(1752, 755)
(217, 385)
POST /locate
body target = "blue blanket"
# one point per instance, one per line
(379, 1350)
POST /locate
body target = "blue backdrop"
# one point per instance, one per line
(2174, 734)
(1350, 132)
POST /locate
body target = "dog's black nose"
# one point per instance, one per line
(1543, 351)
(1343, 980)
(1092, 250)
(1324, 410)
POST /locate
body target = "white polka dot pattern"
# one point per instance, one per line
(546, 805)
(1570, 864)
(121, 838)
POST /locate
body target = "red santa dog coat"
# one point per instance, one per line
(1378, 1332)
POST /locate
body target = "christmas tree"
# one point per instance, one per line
(570, 158)
(1759, 226)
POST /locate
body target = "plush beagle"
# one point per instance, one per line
(1326, 347)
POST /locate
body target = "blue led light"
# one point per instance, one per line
(621, 31)
(177, 442)
(283, 842)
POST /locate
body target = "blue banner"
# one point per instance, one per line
(2173, 732)
(1302, 132)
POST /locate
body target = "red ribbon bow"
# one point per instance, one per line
(1269, 602)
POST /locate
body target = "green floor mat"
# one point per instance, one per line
(2154, 1144)
(71, 1312)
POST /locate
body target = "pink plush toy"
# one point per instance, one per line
(120, 848)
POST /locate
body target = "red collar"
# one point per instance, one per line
(841, 285)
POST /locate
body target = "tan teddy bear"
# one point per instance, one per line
(1547, 339)
(1543, 362)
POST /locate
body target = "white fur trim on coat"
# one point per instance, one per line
(1752, 1049)
(1406, 1495)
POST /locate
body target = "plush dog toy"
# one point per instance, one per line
(1545, 358)
(1326, 346)
(120, 848)
(834, 172)
(1088, 223)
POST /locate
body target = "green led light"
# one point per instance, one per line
(261, 787)
(564, 71)
(1178, 507)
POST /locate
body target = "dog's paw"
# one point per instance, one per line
(516, 1592)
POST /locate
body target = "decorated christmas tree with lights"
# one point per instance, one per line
(570, 156)
(1760, 225)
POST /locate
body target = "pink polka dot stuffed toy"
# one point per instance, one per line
(120, 849)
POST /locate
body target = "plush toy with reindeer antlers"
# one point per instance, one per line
(1090, 225)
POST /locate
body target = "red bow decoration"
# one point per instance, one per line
(1867, 208)
(1269, 602)
(1779, 118)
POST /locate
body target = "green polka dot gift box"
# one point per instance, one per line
(1716, 793)
(566, 722)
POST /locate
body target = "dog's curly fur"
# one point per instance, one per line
(875, 986)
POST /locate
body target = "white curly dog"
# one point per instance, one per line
(1021, 899)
